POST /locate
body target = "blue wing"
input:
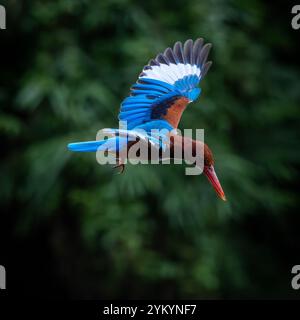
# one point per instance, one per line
(170, 77)
(164, 88)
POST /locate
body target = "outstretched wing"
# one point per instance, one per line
(167, 84)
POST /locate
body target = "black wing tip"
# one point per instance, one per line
(161, 58)
(188, 51)
(169, 54)
(178, 52)
(202, 58)
(193, 52)
(205, 68)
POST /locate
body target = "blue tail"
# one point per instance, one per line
(113, 144)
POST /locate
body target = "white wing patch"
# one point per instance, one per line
(172, 72)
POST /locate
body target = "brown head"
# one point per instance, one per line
(210, 173)
(187, 143)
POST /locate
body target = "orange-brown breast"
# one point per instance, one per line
(175, 111)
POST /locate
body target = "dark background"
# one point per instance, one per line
(73, 229)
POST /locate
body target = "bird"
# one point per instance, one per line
(165, 87)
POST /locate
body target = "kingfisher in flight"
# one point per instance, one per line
(166, 85)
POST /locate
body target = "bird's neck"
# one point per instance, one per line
(190, 149)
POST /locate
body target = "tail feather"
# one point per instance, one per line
(87, 146)
(112, 144)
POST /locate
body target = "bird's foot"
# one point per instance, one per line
(120, 167)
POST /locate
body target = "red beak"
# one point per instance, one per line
(209, 171)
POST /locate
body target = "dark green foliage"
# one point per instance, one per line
(151, 232)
